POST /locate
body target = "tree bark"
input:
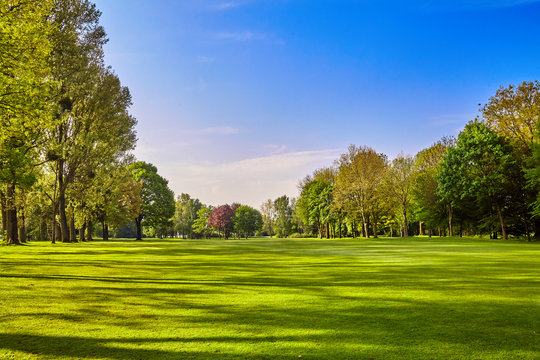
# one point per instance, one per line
(64, 230)
(501, 220)
(421, 232)
(21, 227)
(105, 228)
(72, 231)
(138, 220)
(81, 232)
(450, 215)
(89, 228)
(405, 224)
(4, 214)
(12, 234)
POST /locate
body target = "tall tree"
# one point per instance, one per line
(283, 222)
(200, 225)
(360, 177)
(25, 90)
(478, 168)
(400, 176)
(157, 200)
(221, 219)
(185, 214)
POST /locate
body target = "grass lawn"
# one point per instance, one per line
(417, 298)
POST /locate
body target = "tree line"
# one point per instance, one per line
(65, 128)
(66, 137)
(484, 182)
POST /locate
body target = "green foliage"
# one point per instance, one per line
(157, 200)
(185, 214)
(283, 222)
(533, 173)
(247, 221)
(200, 224)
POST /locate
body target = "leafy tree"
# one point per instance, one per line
(428, 205)
(247, 221)
(513, 112)
(283, 222)
(25, 88)
(401, 178)
(221, 219)
(269, 215)
(533, 174)
(157, 200)
(358, 183)
(478, 168)
(200, 225)
(185, 214)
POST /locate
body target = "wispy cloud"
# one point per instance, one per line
(217, 130)
(249, 181)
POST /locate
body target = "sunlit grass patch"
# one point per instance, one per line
(271, 298)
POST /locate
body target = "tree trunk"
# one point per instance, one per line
(12, 234)
(72, 232)
(450, 215)
(327, 231)
(64, 230)
(105, 228)
(89, 228)
(501, 220)
(364, 225)
(405, 224)
(21, 227)
(4, 214)
(138, 220)
(374, 227)
(81, 232)
(421, 232)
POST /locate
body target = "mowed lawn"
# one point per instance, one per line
(416, 298)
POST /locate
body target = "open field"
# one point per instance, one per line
(417, 298)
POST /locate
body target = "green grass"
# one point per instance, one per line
(417, 298)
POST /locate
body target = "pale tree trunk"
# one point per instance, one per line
(421, 232)
(72, 231)
(64, 230)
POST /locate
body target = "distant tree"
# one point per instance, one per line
(269, 214)
(358, 184)
(247, 221)
(533, 175)
(185, 214)
(283, 222)
(157, 200)
(200, 225)
(400, 177)
(221, 219)
(428, 205)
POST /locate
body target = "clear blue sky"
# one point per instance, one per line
(237, 100)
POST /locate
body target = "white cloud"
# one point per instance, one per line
(249, 181)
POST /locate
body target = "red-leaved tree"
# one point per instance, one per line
(221, 219)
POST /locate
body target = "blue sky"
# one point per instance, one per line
(237, 100)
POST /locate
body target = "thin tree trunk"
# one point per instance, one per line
(364, 225)
(501, 220)
(4, 214)
(72, 231)
(405, 224)
(138, 220)
(11, 212)
(450, 215)
(64, 230)
(105, 228)
(374, 226)
(421, 232)
(81, 232)
(21, 227)
(89, 228)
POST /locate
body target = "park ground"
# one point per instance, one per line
(415, 298)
